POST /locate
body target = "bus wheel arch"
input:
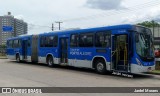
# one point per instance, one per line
(49, 60)
(99, 64)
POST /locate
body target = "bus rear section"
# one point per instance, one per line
(18, 48)
(11, 49)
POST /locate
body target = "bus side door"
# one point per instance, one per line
(64, 50)
(24, 49)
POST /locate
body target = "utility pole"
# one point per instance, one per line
(59, 24)
(52, 27)
(158, 29)
(153, 27)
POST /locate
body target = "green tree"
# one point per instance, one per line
(149, 24)
(2, 49)
(3, 46)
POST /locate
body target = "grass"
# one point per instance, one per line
(156, 71)
(2, 56)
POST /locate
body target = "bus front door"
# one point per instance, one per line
(24, 49)
(64, 50)
(120, 53)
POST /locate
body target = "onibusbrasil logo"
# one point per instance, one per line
(21, 90)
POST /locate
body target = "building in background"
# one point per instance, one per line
(156, 33)
(20, 27)
(11, 27)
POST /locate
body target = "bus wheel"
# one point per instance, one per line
(100, 67)
(50, 61)
(18, 58)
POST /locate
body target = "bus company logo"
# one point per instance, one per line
(6, 90)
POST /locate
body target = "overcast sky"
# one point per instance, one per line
(40, 14)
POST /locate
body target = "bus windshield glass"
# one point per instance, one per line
(144, 43)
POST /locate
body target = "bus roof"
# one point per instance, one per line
(20, 37)
(124, 26)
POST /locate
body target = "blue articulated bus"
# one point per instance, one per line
(120, 48)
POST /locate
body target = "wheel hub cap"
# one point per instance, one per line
(100, 66)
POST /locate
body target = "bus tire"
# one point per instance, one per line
(18, 58)
(100, 67)
(50, 61)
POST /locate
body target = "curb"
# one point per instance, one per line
(4, 58)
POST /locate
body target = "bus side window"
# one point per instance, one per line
(11, 44)
(102, 39)
(19, 44)
(50, 41)
(86, 40)
(74, 40)
(47, 39)
(55, 41)
(42, 41)
(108, 39)
(15, 44)
(29, 42)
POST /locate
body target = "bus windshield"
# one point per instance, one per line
(144, 45)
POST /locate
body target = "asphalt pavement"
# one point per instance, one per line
(13, 74)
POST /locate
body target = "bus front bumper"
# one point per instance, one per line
(137, 69)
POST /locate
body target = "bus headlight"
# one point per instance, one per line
(149, 69)
(138, 62)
